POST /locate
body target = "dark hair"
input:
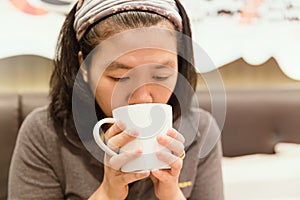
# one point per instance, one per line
(67, 63)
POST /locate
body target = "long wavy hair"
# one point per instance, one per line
(67, 64)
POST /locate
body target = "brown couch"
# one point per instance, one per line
(13, 110)
(256, 120)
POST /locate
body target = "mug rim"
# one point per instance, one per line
(140, 105)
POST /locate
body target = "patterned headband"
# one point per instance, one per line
(90, 11)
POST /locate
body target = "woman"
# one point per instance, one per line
(52, 159)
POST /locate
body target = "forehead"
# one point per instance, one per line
(148, 57)
(152, 44)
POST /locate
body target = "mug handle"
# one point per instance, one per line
(97, 138)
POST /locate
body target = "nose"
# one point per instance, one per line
(141, 95)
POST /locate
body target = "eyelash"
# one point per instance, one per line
(160, 78)
(122, 79)
(119, 79)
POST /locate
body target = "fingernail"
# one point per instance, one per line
(163, 140)
(137, 151)
(160, 155)
(132, 133)
(171, 133)
(121, 124)
(160, 137)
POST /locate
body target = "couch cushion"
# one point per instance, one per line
(9, 124)
(29, 101)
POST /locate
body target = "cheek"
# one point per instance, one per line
(110, 95)
(103, 96)
(161, 94)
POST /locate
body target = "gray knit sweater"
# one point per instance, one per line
(45, 166)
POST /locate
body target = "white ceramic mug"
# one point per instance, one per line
(149, 120)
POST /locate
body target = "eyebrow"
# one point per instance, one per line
(116, 65)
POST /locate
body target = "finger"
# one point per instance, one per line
(121, 139)
(173, 161)
(174, 145)
(159, 175)
(106, 159)
(127, 178)
(114, 130)
(176, 135)
(153, 177)
(116, 162)
(163, 175)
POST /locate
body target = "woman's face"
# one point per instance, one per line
(146, 75)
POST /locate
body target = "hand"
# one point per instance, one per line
(115, 183)
(166, 181)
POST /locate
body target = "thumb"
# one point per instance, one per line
(154, 179)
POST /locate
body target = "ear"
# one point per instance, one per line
(83, 68)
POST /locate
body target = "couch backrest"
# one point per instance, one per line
(13, 109)
(9, 123)
(257, 118)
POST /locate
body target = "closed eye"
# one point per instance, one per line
(160, 78)
(121, 79)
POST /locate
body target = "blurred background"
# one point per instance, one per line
(253, 45)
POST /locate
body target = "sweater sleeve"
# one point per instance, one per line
(31, 175)
(209, 181)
